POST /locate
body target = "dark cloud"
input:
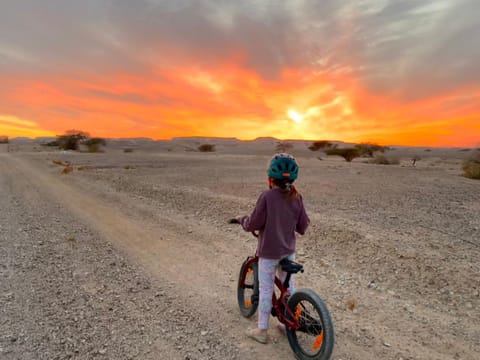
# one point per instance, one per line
(409, 48)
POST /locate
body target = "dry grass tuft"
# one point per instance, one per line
(471, 166)
(347, 153)
(381, 159)
(61, 163)
(206, 148)
(67, 169)
(351, 304)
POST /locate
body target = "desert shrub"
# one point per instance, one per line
(381, 159)
(55, 143)
(71, 139)
(67, 170)
(61, 163)
(206, 148)
(283, 146)
(128, 150)
(3, 139)
(347, 153)
(94, 144)
(368, 149)
(321, 145)
(471, 166)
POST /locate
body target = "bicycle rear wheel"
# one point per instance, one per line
(314, 338)
(247, 290)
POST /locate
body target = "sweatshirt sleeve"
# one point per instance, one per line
(303, 220)
(256, 221)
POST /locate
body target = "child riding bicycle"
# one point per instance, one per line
(278, 214)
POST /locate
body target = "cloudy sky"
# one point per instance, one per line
(388, 71)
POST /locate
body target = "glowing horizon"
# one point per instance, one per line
(372, 73)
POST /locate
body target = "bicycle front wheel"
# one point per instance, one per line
(314, 338)
(247, 290)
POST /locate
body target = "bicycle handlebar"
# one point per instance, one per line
(235, 221)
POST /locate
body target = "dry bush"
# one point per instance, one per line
(381, 159)
(128, 150)
(347, 153)
(94, 144)
(283, 146)
(3, 139)
(67, 169)
(351, 304)
(368, 149)
(471, 166)
(206, 148)
(59, 162)
(321, 145)
(54, 143)
(67, 166)
(71, 139)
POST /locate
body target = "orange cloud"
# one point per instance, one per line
(229, 100)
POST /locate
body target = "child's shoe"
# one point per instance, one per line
(255, 335)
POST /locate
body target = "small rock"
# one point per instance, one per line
(386, 344)
(203, 333)
(102, 351)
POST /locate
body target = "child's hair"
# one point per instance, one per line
(287, 185)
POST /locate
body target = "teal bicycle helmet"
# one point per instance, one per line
(283, 167)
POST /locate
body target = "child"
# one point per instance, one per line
(278, 214)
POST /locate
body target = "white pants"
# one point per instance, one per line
(267, 268)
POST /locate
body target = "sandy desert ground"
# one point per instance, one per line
(130, 256)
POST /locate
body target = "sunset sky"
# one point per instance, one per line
(386, 71)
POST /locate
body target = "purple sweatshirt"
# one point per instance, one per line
(276, 216)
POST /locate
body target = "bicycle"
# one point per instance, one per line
(307, 321)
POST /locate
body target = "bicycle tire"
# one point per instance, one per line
(315, 321)
(248, 301)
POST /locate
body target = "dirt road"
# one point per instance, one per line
(170, 299)
(134, 260)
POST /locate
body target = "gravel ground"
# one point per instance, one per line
(65, 293)
(129, 256)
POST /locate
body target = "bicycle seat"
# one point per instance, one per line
(290, 266)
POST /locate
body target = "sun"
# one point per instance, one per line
(295, 116)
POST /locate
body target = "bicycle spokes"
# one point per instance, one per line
(247, 291)
(310, 331)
